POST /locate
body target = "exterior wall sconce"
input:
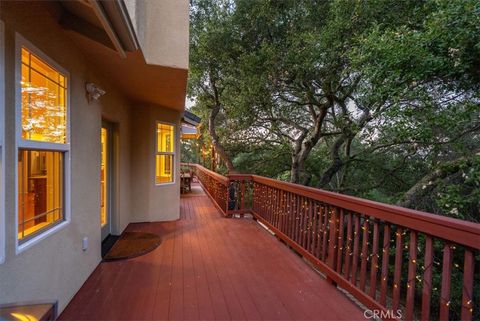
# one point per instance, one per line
(93, 91)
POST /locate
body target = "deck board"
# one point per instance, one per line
(209, 268)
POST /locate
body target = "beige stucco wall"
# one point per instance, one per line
(56, 267)
(162, 30)
(152, 202)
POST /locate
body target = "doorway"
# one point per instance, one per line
(106, 179)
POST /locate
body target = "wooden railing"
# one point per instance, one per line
(213, 183)
(403, 263)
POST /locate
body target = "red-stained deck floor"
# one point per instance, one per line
(209, 268)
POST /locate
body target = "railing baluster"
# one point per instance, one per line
(348, 247)
(277, 207)
(356, 246)
(446, 282)
(397, 273)
(374, 261)
(310, 226)
(340, 242)
(319, 230)
(427, 278)
(271, 205)
(385, 264)
(285, 212)
(288, 214)
(332, 240)
(280, 210)
(304, 222)
(300, 220)
(364, 255)
(294, 217)
(324, 233)
(412, 273)
(467, 293)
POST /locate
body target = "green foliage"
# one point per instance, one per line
(411, 68)
(398, 82)
(459, 196)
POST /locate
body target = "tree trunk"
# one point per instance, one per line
(346, 137)
(427, 184)
(304, 146)
(295, 169)
(215, 141)
(212, 126)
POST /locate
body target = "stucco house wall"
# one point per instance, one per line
(56, 267)
(151, 202)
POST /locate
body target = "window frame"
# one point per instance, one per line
(157, 153)
(22, 144)
(3, 230)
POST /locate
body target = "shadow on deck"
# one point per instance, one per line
(209, 268)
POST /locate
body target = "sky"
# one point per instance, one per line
(189, 103)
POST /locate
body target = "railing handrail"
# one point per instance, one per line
(450, 229)
(219, 177)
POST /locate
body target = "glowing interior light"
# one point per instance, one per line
(165, 151)
(44, 107)
(23, 317)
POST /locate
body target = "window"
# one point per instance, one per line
(43, 149)
(165, 154)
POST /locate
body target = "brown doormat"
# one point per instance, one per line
(132, 244)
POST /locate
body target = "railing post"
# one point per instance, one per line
(242, 193)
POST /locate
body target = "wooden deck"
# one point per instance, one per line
(210, 268)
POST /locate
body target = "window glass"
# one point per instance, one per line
(164, 169)
(44, 107)
(164, 162)
(103, 178)
(165, 138)
(40, 190)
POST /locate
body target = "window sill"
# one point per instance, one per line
(164, 184)
(37, 239)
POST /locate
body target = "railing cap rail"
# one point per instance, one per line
(221, 178)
